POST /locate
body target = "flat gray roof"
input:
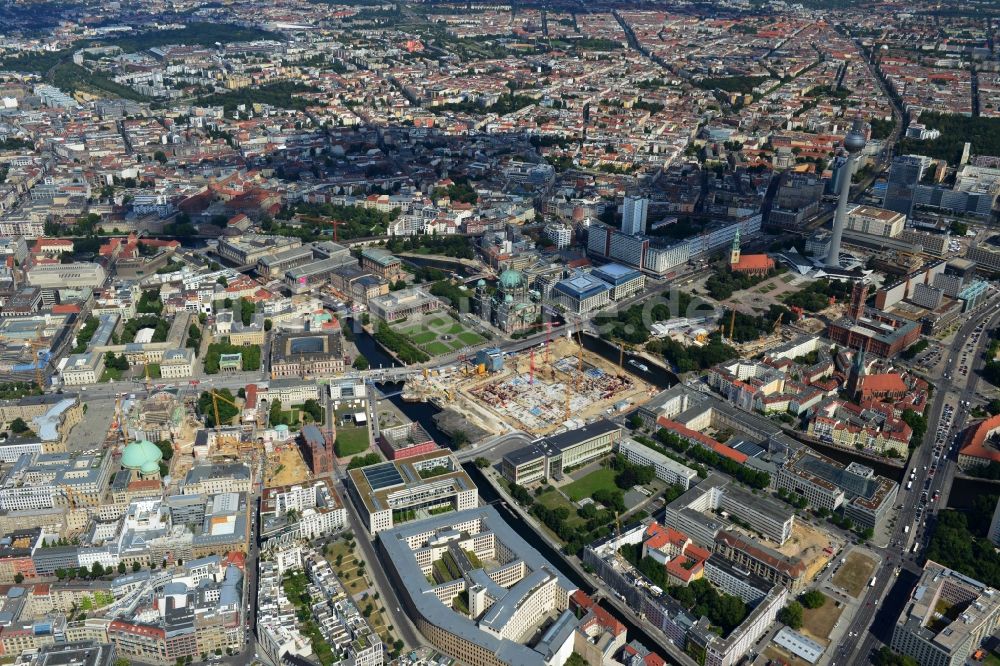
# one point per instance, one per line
(421, 592)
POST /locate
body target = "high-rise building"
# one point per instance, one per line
(854, 143)
(634, 211)
(904, 176)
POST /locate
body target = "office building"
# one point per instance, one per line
(634, 212)
(560, 235)
(864, 497)
(624, 281)
(217, 478)
(986, 255)
(666, 469)
(405, 441)
(946, 618)
(582, 293)
(511, 590)
(904, 176)
(876, 221)
(548, 458)
(701, 512)
(646, 254)
(80, 653)
(391, 493)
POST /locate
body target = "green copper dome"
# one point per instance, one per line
(142, 456)
(510, 278)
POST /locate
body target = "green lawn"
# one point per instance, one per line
(585, 487)
(553, 499)
(470, 338)
(423, 337)
(427, 335)
(351, 441)
(436, 348)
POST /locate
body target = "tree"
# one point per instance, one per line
(121, 567)
(61, 574)
(813, 599)
(576, 659)
(122, 661)
(18, 426)
(136, 567)
(96, 570)
(225, 283)
(313, 410)
(482, 463)
(18, 578)
(160, 157)
(886, 657)
(268, 324)
(791, 615)
(360, 362)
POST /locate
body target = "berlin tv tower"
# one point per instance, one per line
(854, 143)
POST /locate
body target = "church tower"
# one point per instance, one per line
(734, 253)
(857, 373)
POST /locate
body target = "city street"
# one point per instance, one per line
(897, 555)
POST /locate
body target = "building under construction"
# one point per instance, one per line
(562, 386)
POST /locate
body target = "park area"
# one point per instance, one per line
(439, 335)
(854, 574)
(351, 440)
(553, 499)
(586, 486)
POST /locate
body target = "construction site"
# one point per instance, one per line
(556, 385)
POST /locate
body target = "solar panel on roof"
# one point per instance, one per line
(382, 476)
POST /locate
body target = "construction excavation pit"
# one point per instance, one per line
(539, 396)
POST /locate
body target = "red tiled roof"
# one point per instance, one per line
(889, 382)
(705, 440)
(607, 621)
(753, 262)
(975, 441)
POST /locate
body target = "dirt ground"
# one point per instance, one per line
(817, 623)
(289, 469)
(855, 573)
(781, 656)
(807, 543)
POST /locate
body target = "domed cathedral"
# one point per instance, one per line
(511, 307)
(143, 459)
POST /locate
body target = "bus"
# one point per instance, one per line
(871, 583)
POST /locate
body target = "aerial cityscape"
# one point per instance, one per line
(541, 333)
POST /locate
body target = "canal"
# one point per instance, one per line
(424, 413)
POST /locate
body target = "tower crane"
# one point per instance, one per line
(215, 405)
(36, 347)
